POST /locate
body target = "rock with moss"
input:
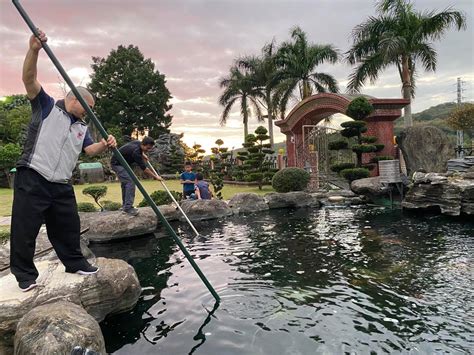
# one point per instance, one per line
(247, 202)
(295, 199)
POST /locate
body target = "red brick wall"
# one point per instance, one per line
(383, 130)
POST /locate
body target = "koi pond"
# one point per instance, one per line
(323, 281)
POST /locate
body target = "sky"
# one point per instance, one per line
(194, 42)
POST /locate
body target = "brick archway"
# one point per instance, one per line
(315, 108)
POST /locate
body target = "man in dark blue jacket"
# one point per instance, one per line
(134, 153)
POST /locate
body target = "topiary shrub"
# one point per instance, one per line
(337, 168)
(379, 147)
(290, 179)
(338, 145)
(161, 198)
(86, 207)
(363, 148)
(96, 192)
(111, 205)
(368, 139)
(355, 174)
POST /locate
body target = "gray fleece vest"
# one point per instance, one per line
(53, 145)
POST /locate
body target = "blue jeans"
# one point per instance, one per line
(128, 187)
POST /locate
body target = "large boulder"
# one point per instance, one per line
(114, 225)
(246, 202)
(370, 187)
(56, 328)
(452, 194)
(294, 199)
(200, 210)
(425, 148)
(115, 288)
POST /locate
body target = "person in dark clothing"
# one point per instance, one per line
(201, 189)
(42, 190)
(187, 179)
(134, 153)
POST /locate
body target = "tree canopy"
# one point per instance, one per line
(130, 93)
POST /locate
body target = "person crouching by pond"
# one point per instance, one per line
(187, 179)
(201, 188)
(134, 153)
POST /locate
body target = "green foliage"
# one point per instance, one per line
(355, 174)
(131, 94)
(379, 147)
(9, 155)
(111, 205)
(4, 235)
(254, 167)
(116, 131)
(341, 166)
(162, 198)
(96, 192)
(338, 145)
(357, 125)
(221, 167)
(368, 139)
(364, 148)
(290, 179)
(381, 157)
(14, 119)
(359, 108)
(14, 101)
(298, 61)
(86, 207)
(462, 118)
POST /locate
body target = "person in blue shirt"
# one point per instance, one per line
(201, 188)
(187, 179)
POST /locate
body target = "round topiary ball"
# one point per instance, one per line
(290, 179)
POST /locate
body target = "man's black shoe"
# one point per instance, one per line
(27, 285)
(85, 270)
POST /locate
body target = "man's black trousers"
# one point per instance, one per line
(36, 200)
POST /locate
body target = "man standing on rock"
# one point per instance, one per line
(134, 153)
(56, 136)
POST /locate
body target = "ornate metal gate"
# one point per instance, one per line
(318, 158)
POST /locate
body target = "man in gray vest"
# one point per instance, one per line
(57, 134)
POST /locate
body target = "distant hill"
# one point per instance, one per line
(433, 116)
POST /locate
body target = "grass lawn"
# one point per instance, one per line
(114, 192)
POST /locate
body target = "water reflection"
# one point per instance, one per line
(296, 280)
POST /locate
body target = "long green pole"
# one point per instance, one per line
(116, 152)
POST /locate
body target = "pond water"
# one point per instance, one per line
(328, 281)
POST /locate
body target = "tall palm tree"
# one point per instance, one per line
(297, 61)
(263, 69)
(240, 86)
(402, 37)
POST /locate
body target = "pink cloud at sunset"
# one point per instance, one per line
(194, 42)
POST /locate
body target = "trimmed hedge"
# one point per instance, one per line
(338, 145)
(337, 168)
(355, 174)
(364, 148)
(161, 198)
(86, 207)
(111, 205)
(290, 179)
(368, 139)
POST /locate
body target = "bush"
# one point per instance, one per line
(111, 205)
(355, 174)
(364, 148)
(368, 139)
(337, 168)
(379, 147)
(96, 192)
(381, 157)
(4, 235)
(290, 179)
(337, 145)
(86, 207)
(161, 198)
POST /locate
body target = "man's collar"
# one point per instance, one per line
(62, 105)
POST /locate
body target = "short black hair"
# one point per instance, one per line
(148, 141)
(199, 176)
(188, 163)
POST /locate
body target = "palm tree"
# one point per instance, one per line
(399, 36)
(263, 70)
(297, 61)
(239, 85)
